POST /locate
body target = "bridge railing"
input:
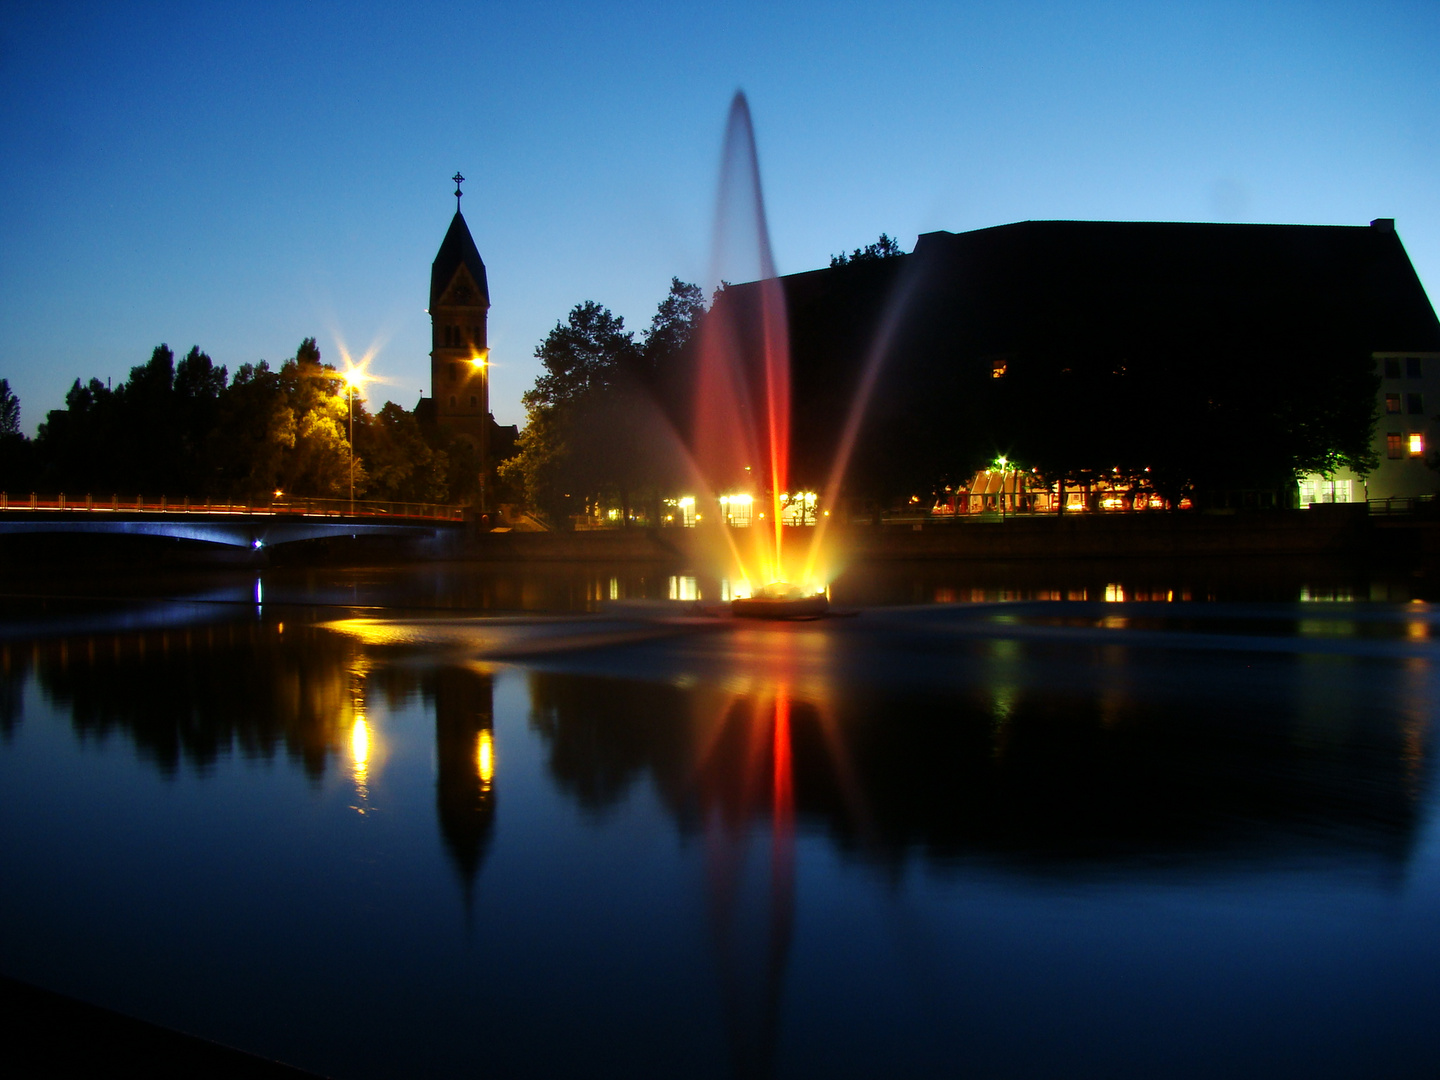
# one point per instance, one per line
(140, 504)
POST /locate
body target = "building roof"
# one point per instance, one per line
(456, 250)
(1134, 283)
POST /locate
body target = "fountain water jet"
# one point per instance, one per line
(742, 401)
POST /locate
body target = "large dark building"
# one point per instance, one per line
(1219, 360)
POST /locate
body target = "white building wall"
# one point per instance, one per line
(1407, 475)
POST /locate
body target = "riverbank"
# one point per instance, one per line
(1328, 531)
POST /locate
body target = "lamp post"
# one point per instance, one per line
(353, 379)
(1002, 462)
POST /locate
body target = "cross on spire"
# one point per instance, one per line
(458, 179)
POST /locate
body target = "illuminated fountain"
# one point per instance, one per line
(741, 432)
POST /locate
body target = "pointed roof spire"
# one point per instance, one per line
(456, 250)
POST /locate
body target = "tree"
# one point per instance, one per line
(583, 354)
(673, 325)
(884, 248)
(15, 448)
(597, 427)
(9, 410)
(399, 463)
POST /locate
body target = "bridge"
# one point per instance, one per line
(232, 524)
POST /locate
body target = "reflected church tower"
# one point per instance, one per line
(465, 756)
(459, 355)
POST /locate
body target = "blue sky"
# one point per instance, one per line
(240, 176)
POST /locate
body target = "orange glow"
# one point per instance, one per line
(485, 758)
(360, 751)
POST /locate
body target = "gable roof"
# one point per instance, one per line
(457, 250)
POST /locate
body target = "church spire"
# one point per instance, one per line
(458, 181)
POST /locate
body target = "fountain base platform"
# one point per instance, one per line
(781, 601)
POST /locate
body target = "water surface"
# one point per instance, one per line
(383, 823)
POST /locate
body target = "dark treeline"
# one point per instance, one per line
(188, 429)
(606, 415)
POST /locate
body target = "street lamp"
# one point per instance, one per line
(354, 380)
(1003, 462)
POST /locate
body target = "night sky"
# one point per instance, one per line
(242, 176)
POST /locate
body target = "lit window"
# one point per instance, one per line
(1412, 367)
(1413, 404)
(997, 367)
(1394, 446)
(1417, 444)
(1392, 369)
(1392, 403)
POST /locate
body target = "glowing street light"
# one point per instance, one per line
(355, 379)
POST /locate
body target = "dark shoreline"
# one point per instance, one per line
(48, 1034)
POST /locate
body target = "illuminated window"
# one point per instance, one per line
(1392, 403)
(1392, 369)
(1412, 367)
(997, 367)
(1394, 446)
(1417, 444)
(1413, 404)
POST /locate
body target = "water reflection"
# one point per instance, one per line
(465, 763)
(1031, 757)
(987, 755)
(190, 695)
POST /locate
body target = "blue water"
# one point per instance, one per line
(1001, 840)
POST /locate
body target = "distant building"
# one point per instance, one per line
(459, 352)
(1210, 354)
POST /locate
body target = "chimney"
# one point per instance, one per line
(1384, 224)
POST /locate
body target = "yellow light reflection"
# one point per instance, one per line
(485, 758)
(360, 752)
(360, 742)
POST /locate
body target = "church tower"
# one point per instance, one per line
(459, 356)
